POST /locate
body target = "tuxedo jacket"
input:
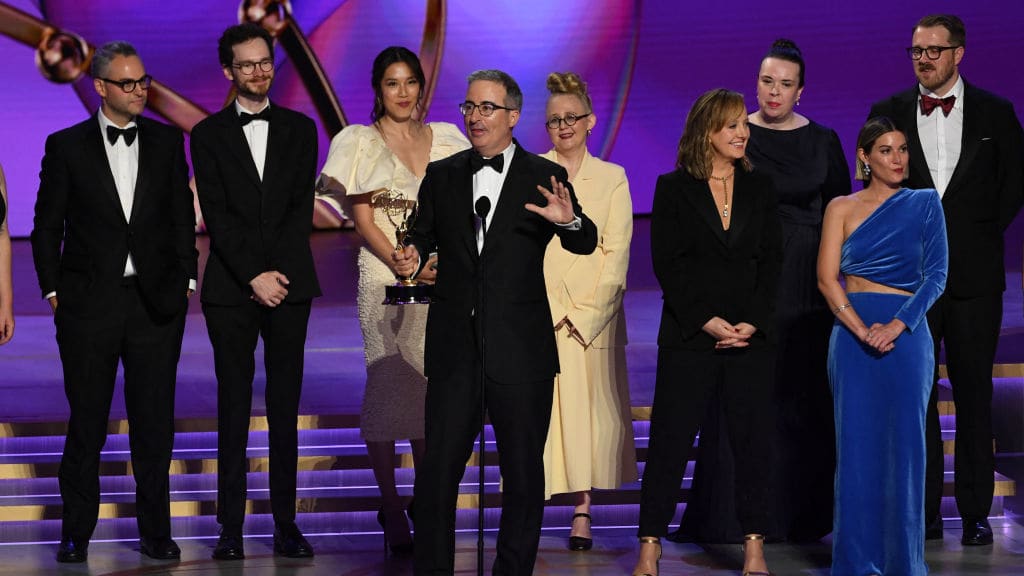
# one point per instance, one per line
(985, 192)
(504, 285)
(81, 238)
(256, 225)
(706, 271)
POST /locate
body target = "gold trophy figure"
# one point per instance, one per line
(402, 213)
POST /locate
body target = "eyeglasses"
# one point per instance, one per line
(128, 86)
(486, 108)
(248, 68)
(570, 120)
(933, 52)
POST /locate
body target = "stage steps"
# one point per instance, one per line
(334, 477)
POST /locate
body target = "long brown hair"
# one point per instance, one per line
(710, 113)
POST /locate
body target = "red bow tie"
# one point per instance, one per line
(928, 104)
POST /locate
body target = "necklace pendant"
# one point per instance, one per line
(725, 213)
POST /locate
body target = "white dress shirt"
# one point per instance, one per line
(488, 182)
(124, 166)
(256, 133)
(941, 136)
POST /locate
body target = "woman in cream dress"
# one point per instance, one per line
(590, 441)
(365, 165)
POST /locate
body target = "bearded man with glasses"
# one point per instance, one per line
(965, 143)
(255, 163)
(114, 242)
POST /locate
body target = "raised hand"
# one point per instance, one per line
(559, 207)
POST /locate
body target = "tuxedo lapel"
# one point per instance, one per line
(919, 171)
(231, 128)
(462, 183)
(96, 152)
(970, 142)
(698, 194)
(278, 138)
(509, 202)
(147, 157)
(741, 206)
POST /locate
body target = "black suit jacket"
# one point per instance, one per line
(520, 341)
(256, 225)
(985, 192)
(78, 206)
(705, 271)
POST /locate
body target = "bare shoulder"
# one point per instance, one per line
(841, 205)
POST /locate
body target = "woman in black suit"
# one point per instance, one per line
(716, 245)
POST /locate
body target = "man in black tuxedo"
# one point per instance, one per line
(967, 144)
(489, 290)
(255, 164)
(114, 190)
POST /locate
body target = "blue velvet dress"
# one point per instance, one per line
(880, 400)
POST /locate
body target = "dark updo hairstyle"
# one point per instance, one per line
(387, 57)
(872, 130)
(570, 83)
(787, 50)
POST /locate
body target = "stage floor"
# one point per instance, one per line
(613, 555)
(32, 401)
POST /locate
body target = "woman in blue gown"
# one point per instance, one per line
(889, 244)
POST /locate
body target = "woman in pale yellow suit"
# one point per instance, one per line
(590, 442)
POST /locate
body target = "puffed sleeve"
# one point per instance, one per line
(357, 163)
(934, 262)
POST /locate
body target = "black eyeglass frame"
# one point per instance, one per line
(569, 120)
(129, 86)
(486, 108)
(249, 68)
(916, 53)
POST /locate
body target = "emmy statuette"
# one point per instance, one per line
(402, 213)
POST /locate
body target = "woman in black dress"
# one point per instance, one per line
(806, 163)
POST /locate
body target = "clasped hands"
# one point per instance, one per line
(882, 337)
(729, 335)
(269, 288)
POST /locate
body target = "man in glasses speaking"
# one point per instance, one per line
(489, 213)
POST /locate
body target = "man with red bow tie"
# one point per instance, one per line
(967, 144)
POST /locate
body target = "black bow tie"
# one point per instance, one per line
(113, 133)
(476, 162)
(245, 117)
(929, 104)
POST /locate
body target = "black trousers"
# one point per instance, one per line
(234, 331)
(969, 330)
(148, 347)
(684, 384)
(520, 414)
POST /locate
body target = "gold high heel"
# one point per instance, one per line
(754, 538)
(650, 540)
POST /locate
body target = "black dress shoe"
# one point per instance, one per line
(229, 547)
(72, 551)
(579, 543)
(160, 548)
(976, 533)
(933, 530)
(290, 543)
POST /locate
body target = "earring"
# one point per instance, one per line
(867, 171)
(797, 101)
(589, 131)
